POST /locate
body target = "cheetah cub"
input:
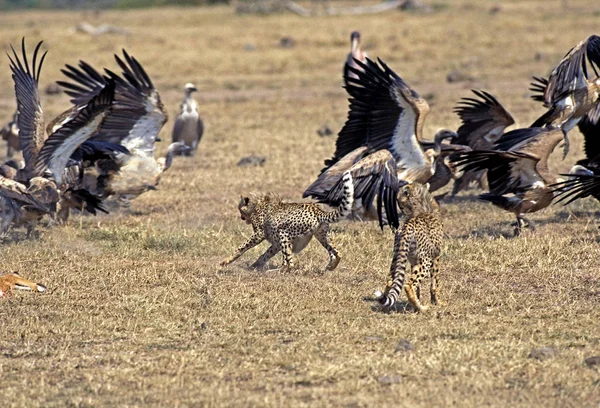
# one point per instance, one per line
(417, 241)
(290, 226)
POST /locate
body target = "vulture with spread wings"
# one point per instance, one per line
(518, 175)
(571, 91)
(484, 121)
(138, 116)
(380, 144)
(52, 162)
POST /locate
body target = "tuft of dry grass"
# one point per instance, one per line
(138, 312)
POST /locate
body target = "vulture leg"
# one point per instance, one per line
(523, 222)
(566, 144)
(31, 230)
(528, 223)
(482, 181)
(520, 225)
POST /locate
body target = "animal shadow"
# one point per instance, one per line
(401, 306)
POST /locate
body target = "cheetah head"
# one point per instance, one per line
(414, 198)
(246, 208)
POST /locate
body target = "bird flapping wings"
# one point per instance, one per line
(30, 118)
(138, 114)
(484, 120)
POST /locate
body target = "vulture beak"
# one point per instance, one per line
(401, 183)
(452, 136)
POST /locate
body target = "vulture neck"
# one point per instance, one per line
(356, 53)
(167, 161)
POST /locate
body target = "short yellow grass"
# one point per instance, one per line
(139, 314)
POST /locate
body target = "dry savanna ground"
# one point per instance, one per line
(140, 314)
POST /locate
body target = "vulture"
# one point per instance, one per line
(138, 116)
(584, 177)
(484, 121)
(25, 206)
(51, 163)
(188, 127)
(444, 170)
(10, 133)
(517, 172)
(380, 143)
(355, 54)
(571, 91)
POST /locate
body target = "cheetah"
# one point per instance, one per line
(419, 241)
(290, 226)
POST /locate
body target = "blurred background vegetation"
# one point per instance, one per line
(99, 4)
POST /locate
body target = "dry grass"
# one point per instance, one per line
(139, 314)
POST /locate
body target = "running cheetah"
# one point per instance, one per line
(419, 241)
(290, 226)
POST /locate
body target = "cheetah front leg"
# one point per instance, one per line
(322, 234)
(286, 249)
(264, 258)
(254, 240)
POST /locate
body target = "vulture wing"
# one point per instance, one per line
(483, 120)
(572, 71)
(30, 119)
(59, 147)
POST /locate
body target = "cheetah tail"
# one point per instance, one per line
(397, 270)
(348, 199)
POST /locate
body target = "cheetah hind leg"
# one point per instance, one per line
(264, 258)
(301, 242)
(435, 283)
(413, 284)
(323, 236)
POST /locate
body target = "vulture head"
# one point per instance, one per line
(189, 88)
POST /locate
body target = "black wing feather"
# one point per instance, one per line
(98, 104)
(373, 114)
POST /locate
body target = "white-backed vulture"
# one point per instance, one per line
(484, 121)
(10, 133)
(518, 175)
(137, 118)
(380, 144)
(570, 93)
(188, 127)
(51, 161)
